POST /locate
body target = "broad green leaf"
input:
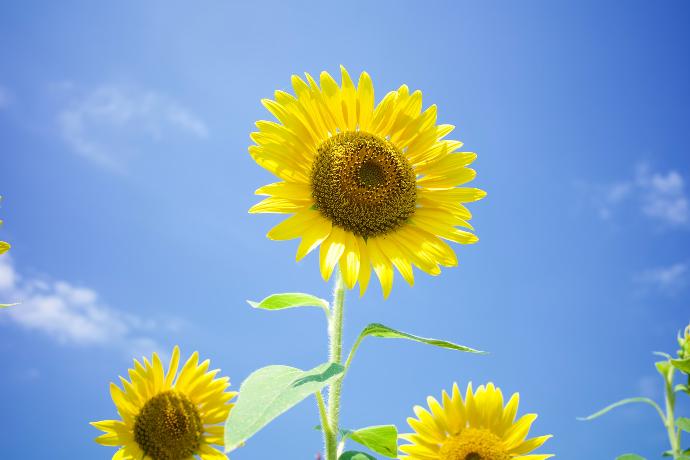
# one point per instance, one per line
(270, 391)
(683, 423)
(4, 247)
(354, 455)
(682, 365)
(622, 403)
(630, 457)
(289, 300)
(382, 439)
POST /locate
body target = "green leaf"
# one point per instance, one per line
(622, 403)
(354, 455)
(683, 423)
(382, 439)
(663, 367)
(385, 332)
(682, 365)
(630, 457)
(289, 300)
(4, 247)
(270, 391)
(681, 387)
(6, 305)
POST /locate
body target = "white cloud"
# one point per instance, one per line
(71, 314)
(107, 124)
(668, 280)
(661, 197)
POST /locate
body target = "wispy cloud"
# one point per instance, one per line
(663, 196)
(72, 314)
(668, 280)
(659, 196)
(107, 125)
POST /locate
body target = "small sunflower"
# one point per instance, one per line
(168, 418)
(373, 185)
(478, 428)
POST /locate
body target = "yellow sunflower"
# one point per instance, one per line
(478, 428)
(373, 185)
(168, 418)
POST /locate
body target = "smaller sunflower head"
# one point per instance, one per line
(168, 416)
(479, 427)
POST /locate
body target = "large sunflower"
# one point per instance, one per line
(168, 418)
(374, 186)
(478, 428)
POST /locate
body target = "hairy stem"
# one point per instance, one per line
(335, 355)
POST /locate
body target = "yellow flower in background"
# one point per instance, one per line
(165, 417)
(375, 186)
(4, 245)
(478, 428)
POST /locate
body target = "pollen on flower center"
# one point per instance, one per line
(169, 427)
(363, 184)
(473, 444)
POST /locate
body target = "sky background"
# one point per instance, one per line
(124, 129)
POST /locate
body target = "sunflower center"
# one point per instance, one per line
(363, 184)
(168, 427)
(473, 444)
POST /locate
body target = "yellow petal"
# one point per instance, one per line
(331, 250)
(349, 262)
(294, 226)
(279, 206)
(364, 266)
(313, 236)
(382, 266)
(365, 101)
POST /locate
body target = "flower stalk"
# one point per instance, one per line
(335, 355)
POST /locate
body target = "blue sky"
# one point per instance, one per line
(126, 180)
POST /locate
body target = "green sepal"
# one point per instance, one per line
(269, 392)
(289, 300)
(663, 367)
(683, 423)
(382, 439)
(682, 365)
(630, 457)
(354, 455)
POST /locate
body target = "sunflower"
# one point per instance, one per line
(478, 428)
(166, 417)
(373, 186)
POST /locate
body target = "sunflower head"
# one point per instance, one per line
(375, 186)
(168, 416)
(479, 427)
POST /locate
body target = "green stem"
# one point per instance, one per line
(323, 415)
(335, 355)
(673, 435)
